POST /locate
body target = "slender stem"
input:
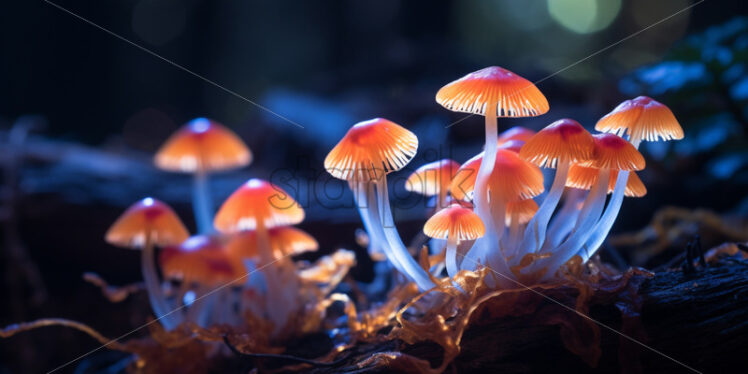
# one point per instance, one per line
(365, 199)
(602, 228)
(511, 245)
(583, 229)
(451, 255)
(277, 309)
(535, 233)
(480, 196)
(153, 286)
(441, 201)
(409, 264)
(201, 203)
(563, 222)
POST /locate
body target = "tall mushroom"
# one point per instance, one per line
(454, 223)
(491, 92)
(260, 206)
(145, 225)
(640, 119)
(611, 152)
(200, 147)
(556, 146)
(366, 154)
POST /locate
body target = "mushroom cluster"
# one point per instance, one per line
(239, 262)
(517, 229)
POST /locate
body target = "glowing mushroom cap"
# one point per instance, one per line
(562, 141)
(284, 241)
(456, 222)
(519, 133)
(433, 177)
(643, 118)
(613, 152)
(525, 210)
(203, 145)
(512, 178)
(201, 259)
(371, 149)
(584, 178)
(513, 95)
(257, 202)
(147, 218)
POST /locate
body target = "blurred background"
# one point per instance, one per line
(82, 112)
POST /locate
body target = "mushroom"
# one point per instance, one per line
(556, 146)
(512, 179)
(640, 119)
(200, 147)
(260, 206)
(202, 261)
(363, 157)
(491, 92)
(611, 152)
(454, 223)
(433, 179)
(144, 225)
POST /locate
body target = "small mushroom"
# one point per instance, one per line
(144, 225)
(200, 147)
(366, 154)
(454, 223)
(556, 146)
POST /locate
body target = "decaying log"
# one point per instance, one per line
(699, 320)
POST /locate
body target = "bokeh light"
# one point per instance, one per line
(584, 16)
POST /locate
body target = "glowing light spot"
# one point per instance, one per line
(584, 16)
(189, 298)
(148, 201)
(200, 125)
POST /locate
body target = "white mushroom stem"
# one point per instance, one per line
(168, 318)
(602, 228)
(480, 197)
(278, 305)
(201, 203)
(585, 224)
(365, 199)
(408, 263)
(563, 222)
(535, 233)
(451, 255)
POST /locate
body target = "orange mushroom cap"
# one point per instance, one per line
(147, 218)
(454, 221)
(284, 241)
(512, 178)
(562, 141)
(520, 133)
(514, 96)
(584, 177)
(371, 149)
(201, 259)
(203, 145)
(257, 201)
(643, 118)
(433, 177)
(525, 210)
(613, 152)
